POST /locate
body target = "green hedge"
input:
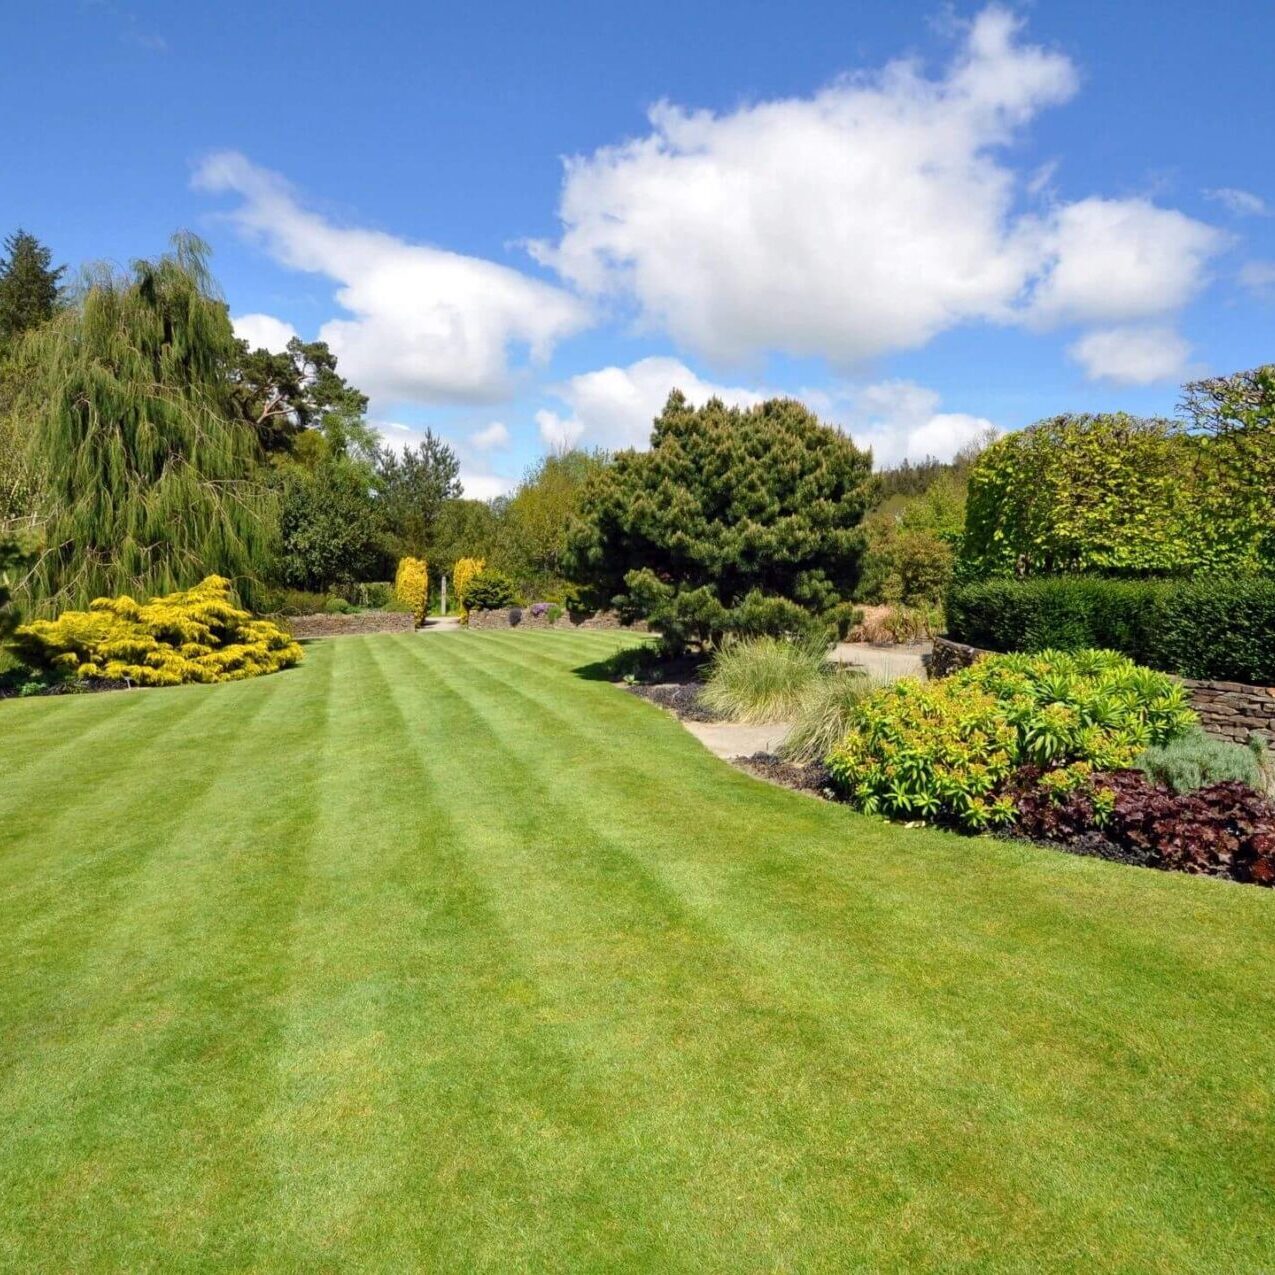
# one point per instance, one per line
(1206, 627)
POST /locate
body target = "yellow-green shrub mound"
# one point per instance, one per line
(462, 573)
(411, 586)
(197, 635)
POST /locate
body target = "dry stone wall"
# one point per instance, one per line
(324, 625)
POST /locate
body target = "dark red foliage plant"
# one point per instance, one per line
(1224, 829)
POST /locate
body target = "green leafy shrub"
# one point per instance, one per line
(823, 713)
(947, 750)
(490, 590)
(842, 618)
(16, 555)
(763, 679)
(375, 595)
(339, 606)
(1220, 627)
(1196, 759)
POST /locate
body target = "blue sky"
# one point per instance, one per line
(521, 224)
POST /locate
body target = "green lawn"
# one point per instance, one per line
(434, 954)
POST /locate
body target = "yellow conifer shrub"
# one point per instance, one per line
(411, 586)
(196, 635)
(462, 573)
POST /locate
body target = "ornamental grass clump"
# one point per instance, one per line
(946, 751)
(823, 713)
(196, 635)
(762, 680)
(411, 587)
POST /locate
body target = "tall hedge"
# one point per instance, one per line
(1120, 495)
(1219, 627)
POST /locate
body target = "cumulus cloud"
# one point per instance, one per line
(1108, 260)
(864, 219)
(426, 325)
(614, 407)
(1243, 203)
(899, 420)
(1132, 355)
(493, 437)
(263, 332)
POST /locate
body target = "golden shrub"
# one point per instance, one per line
(196, 635)
(411, 586)
(462, 573)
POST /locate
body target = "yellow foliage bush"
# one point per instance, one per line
(196, 635)
(462, 573)
(411, 586)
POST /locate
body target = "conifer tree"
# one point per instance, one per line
(29, 286)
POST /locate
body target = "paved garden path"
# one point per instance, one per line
(451, 956)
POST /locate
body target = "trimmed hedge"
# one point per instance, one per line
(1208, 627)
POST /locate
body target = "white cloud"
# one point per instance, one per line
(1132, 355)
(1258, 277)
(428, 325)
(1243, 203)
(494, 436)
(864, 219)
(614, 407)
(899, 420)
(1112, 260)
(483, 486)
(263, 332)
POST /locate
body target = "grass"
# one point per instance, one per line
(761, 679)
(437, 954)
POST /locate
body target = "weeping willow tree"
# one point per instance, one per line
(146, 484)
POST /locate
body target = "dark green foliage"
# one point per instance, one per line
(1220, 627)
(731, 512)
(412, 488)
(842, 618)
(339, 606)
(16, 556)
(280, 395)
(332, 530)
(1197, 759)
(144, 482)
(29, 285)
(464, 529)
(489, 591)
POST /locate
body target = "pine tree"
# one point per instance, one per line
(146, 482)
(28, 286)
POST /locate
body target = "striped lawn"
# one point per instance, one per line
(438, 953)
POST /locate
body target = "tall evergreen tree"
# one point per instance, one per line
(146, 481)
(29, 285)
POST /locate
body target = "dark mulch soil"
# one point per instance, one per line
(682, 698)
(1091, 845)
(812, 778)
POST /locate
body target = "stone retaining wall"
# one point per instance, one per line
(324, 625)
(1229, 710)
(504, 619)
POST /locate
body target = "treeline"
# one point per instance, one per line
(143, 446)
